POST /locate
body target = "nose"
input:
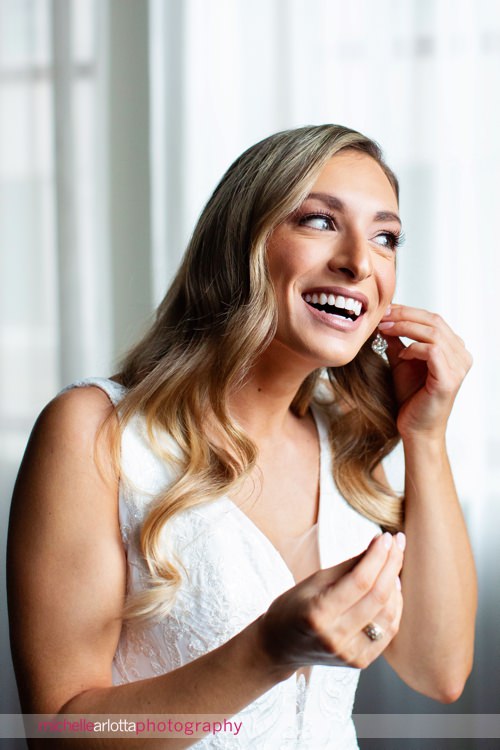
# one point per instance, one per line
(352, 257)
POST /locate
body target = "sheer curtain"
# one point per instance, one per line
(119, 116)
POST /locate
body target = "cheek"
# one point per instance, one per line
(387, 283)
(275, 257)
(284, 265)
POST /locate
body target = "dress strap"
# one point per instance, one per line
(114, 391)
(322, 426)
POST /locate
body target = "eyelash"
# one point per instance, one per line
(396, 239)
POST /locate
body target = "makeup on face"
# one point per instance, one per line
(332, 261)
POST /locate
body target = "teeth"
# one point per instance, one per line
(346, 303)
(350, 304)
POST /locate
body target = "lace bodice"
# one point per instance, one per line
(231, 575)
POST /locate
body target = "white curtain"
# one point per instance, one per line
(117, 118)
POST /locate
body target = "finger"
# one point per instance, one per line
(442, 376)
(418, 315)
(321, 581)
(324, 624)
(372, 605)
(332, 645)
(438, 328)
(362, 650)
(325, 620)
(382, 608)
(353, 586)
(455, 355)
(411, 329)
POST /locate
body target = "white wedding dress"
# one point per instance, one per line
(232, 574)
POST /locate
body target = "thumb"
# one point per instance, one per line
(338, 571)
(323, 578)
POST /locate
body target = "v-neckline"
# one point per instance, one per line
(257, 531)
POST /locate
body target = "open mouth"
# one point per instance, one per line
(345, 307)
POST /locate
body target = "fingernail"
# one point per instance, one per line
(388, 311)
(398, 583)
(401, 540)
(387, 540)
(385, 325)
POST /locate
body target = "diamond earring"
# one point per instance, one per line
(379, 345)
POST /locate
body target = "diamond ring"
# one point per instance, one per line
(373, 631)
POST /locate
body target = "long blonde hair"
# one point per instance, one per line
(217, 317)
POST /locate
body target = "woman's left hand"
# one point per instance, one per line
(428, 373)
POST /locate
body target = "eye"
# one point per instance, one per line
(318, 221)
(391, 240)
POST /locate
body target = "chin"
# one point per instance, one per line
(335, 353)
(333, 359)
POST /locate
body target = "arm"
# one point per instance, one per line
(67, 583)
(67, 578)
(433, 649)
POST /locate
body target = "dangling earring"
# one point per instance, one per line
(379, 345)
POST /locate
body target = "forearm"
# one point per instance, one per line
(222, 682)
(434, 647)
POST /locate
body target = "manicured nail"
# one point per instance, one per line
(385, 325)
(387, 540)
(401, 540)
(388, 311)
(398, 583)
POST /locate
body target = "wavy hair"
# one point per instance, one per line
(219, 314)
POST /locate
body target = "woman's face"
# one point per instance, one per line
(332, 262)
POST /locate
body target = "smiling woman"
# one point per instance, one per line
(345, 232)
(236, 460)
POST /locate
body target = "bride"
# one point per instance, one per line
(210, 531)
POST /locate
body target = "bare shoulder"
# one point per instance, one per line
(66, 596)
(77, 413)
(70, 448)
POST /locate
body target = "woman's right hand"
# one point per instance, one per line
(321, 619)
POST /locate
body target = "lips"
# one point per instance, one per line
(337, 301)
(340, 320)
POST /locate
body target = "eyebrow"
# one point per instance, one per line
(337, 205)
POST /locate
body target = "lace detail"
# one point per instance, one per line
(301, 703)
(232, 574)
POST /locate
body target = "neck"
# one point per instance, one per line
(262, 405)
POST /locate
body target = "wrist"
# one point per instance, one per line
(261, 657)
(424, 442)
(428, 455)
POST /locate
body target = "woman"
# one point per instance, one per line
(208, 460)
